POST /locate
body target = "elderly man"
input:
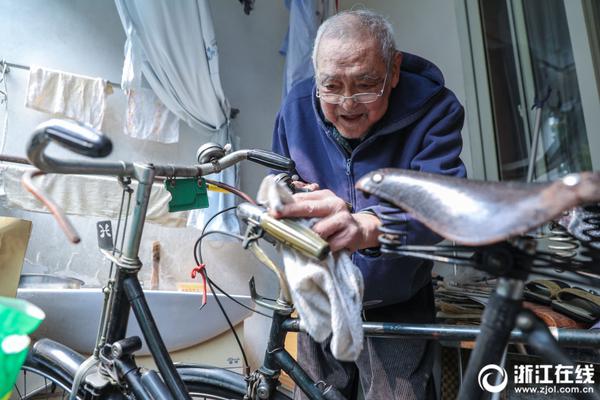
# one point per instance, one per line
(368, 107)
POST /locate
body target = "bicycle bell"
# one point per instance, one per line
(286, 180)
(210, 152)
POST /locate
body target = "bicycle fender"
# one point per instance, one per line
(211, 375)
(219, 377)
(56, 356)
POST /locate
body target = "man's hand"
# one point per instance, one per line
(306, 187)
(338, 226)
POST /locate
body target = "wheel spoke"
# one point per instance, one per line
(16, 388)
(34, 385)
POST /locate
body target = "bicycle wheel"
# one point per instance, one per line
(34, 383)
(37, 383)
(211, 392)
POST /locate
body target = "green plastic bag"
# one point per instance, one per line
(18, 318)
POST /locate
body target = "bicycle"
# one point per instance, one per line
(111, 371)
(114, 373)
(492, 220)
(503, 252)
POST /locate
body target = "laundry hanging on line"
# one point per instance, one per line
(147, 117)
(77, 97)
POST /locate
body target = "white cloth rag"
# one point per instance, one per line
(86, 195)
(327, 294)
(148, 118)
(72, 96)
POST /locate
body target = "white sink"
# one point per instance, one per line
(73, 316)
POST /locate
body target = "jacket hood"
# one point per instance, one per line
(419, 66)
(423, 80)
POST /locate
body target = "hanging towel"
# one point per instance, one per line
(327, 294)
(72, 96)
(149, 119)
(86, 195)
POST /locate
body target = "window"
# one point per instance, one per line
(530, 61)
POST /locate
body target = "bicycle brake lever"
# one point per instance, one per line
(213, 152)
(269, 304)
(284, 290)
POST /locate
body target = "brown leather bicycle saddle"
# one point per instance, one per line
(474, 213)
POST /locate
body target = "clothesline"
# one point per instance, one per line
(26, 67)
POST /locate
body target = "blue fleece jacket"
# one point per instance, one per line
(419, 131)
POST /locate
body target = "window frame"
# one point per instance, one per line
(480, 118)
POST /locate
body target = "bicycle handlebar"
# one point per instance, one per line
(74, 136)
(271, 160)
(84, 140)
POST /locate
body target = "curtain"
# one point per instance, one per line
(177, 54)
(181, 62)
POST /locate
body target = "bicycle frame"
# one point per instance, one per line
(127, 293)
(496, 331)
(277, 358)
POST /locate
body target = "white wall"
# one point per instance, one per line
(251, 71)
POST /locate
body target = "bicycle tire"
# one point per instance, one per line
(53, 387)
(56, 383)
(214, 392)
(49, 385)
(211, 392)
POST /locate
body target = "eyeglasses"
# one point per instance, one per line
(363, 98)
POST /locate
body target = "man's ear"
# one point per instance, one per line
(396, 63)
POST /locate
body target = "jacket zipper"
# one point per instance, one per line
(351, 183)
(348, 170)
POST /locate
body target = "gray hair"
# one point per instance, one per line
(350, 23)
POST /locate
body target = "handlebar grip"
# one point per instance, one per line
(74, 136)
(271, 160)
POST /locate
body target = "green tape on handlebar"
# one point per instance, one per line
(187, 194)
(18, 318)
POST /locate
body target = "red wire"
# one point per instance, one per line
(202, 270)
